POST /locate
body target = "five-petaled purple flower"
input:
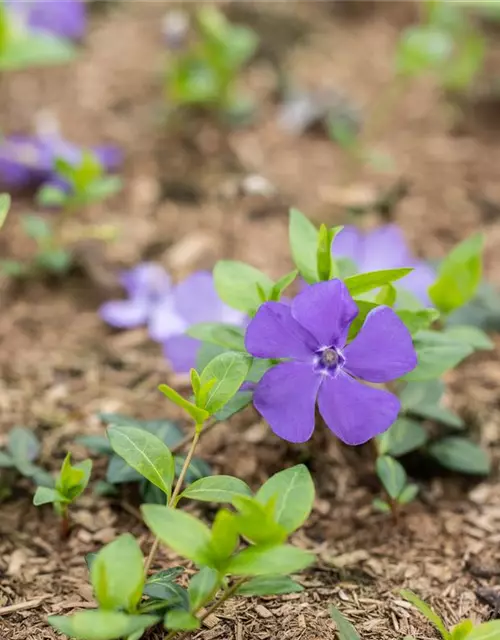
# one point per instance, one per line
(385, 248)
(169, 310)
(311, 334)
(63, 18)
(27, 161)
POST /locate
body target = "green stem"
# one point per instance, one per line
(174, 498)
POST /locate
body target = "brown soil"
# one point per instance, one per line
(185, 206)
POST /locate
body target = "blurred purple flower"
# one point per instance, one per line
(64, 18)
(311, 334)
(169, 310)
(27, 161)
(385, 248)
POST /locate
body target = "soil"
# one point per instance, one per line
(187, 203)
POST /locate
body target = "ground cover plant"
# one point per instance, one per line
(272, 410)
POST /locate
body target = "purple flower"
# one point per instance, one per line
(385, 248)
(169, 311)
(27, 161)
(64, 18)
(311, 334)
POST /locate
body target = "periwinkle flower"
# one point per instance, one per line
(169, 310)
(385, 248)
(320, 366)
(27, 161)
(63, 18)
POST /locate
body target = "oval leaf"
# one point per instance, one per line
(101, 625)
(145, 453)
(460, 454)
(403, 436)
(303, 237)
(202, 587)
(486, 631)
(269, 586)
(293, 490)
(229, 371)
(364, 282)
(237, 285)
(182, 532)
(267, 561)
(392, 475)
(216, 489)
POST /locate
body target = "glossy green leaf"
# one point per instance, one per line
(345, 629)
(202, 587)
(391, 474)
(283, 284)
(46, 495)
(101, 625)
(303, 237)
(96, 444)
(363, 282)
(216, 489)
(403, 436)
(437, 352)
(117, 574)
(236, 284)
(425, 610)
(462, 630)
(408, 494)
(180, 620)
(238, 402)
(386, 296)
(293, 491)
(225, 535)
(256, 522)
(225, 335)
(459, 275)
(269, 586)
(162, 586)
(460, 454)
(486, 631)
(145, 453)
(229, 370)
(267, 561)
(73, 479)
(198, 415)
(181, 531)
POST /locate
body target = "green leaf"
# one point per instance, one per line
(460, 454)
(181, 531)
(119, 472)
(324, 257)
(269, 586)
(96, 444)
(422, 399)
(364, 309)
(293, 491)
(202, 587)
(386, 295)
(403, 436)
(73, 479)
(216, 489)
(23, 445)
(364, 282)
(145, 453)
(225, 335)
(4, 207)
(101, 625)
(408, 494)
(437, 353)
(425, 610)
(117, 574)
(486, 631)
(229, 370)
(423, 48)
(256, 522)
(225, 535)
(103, 188)
(236, 284)
(196, 470)
(35, 49)
(283, 284)
(198, 415)
(345, 629)
(50, 196)
(14, 268)
(381, 505)
(36, 227)
(303, 237)
(419, 319)
(46, 495)
(459, 275)
(462, 630)
(391, 474)
(238, 402)
(54, 260)
(268, 561)
(474, 337)
(161, 586)
(180, 620)
(6, 461)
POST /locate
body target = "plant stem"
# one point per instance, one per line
(187, 439)
(173, 499)
(225, 596)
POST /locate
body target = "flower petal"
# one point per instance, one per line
(349, 244)
(66, 18)
(197, 300)
(273, 333)
(286, 398)
(125, 314)
(165, 320)
(385, 248)
(382, 350)
(419, 281)
(181, 352)
(354, 411)
(325, 310)
(145, 279)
